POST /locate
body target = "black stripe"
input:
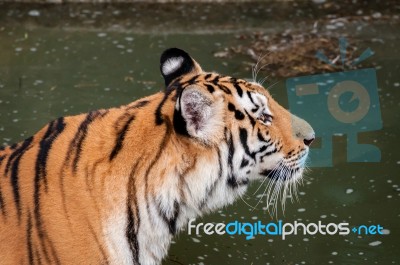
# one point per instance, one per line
(131, 236)
(80, 136)
(99, 245)
(238, 114)
(225, 89)
(2, 158)
(239, 90)
(2, 204)
(14, 179)
(38, 258)
(158, 114)
(170, 221)
(261, 137)
(244, 163)
(133, 225)
(210, 88)
(231, 107)
(208, 76)
(268, 154)
(262, 149)
(252, 120)
(14, 155)
(250, 97)
(2, 148)
(231, 181)
(215, 80)
(271, 152)
(192, 80)
(243, 140)
(55, 128)
(179, 122)
(29, 239)
(174, 218)
(289, 155)
(255, 109)
(120, 138)
(138, 105)
(231, 151)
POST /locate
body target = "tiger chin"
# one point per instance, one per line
(114, 186)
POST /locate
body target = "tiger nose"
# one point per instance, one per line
(302, 130)
(308, 141)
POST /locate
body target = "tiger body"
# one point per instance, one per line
(114, 186)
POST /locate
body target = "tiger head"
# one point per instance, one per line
(256, 138)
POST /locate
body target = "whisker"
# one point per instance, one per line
(255, 71)
(267, 177)
(263, 80)
(253, 207)
(268, 186)
(270, 87)
(258, 71)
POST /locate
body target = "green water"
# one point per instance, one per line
(73, 59)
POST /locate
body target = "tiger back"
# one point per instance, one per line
(114, 186)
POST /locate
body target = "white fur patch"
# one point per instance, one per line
(117, 245)
(171, 65)
(114, 225)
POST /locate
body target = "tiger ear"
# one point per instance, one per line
(175, 62)
(203, 115)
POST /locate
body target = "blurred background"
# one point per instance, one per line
(62, 58)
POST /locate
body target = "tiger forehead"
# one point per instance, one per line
(218, 80)
(227, 84)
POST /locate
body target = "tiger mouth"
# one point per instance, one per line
(282, 173)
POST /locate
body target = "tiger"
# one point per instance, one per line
(114, 186)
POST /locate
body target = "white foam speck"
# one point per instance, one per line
(334, 253)
(348, 191)
(195, 240)
(385, 231)
(34, 13)
(301, 210)
(375, 243)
